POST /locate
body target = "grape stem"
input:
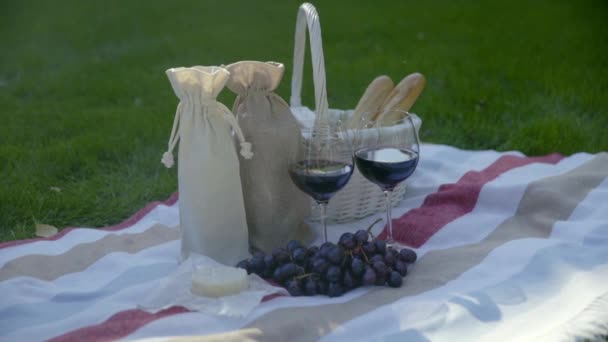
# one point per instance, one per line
(369, 229)
(365, 256)
(302, 276)
(349, 252)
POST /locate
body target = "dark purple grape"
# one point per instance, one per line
(334, 289)
(257, 265)
(320, 265)
(380, 246)
(310, 286)
(299, 255)
(376, 258)
(326, 245)
(244, 264)
(346, 260)
(293, 244)
(369, 277)
(369, 248)
(381, 278)
(311, 251)
(347, 240)
(335, 255)
(357, 267)
(361, 236)
(294, 287)
(300, 270)
(381, 272)
(349, 281)
(281, 256)
(347, 235)
(334, 273)
(379, 267)
(269, 266)
(269, 262)
(289, 270)
(407, 255)
(308, 267)
(394, 279)
(259, 254)
(277, 275)
(401, 267)
(389, 258)
(322, 286)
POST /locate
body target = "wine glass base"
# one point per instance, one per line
(395, 245)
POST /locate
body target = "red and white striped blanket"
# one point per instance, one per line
(510, 248)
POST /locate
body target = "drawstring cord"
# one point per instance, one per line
(245, 146)
(245, 151)
(167, 158)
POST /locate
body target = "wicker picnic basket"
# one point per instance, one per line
(360, 197)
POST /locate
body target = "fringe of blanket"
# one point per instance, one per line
(591, 324)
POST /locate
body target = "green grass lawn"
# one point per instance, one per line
(86, 108)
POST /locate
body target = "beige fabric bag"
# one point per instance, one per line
(211, 209)
(275, 208)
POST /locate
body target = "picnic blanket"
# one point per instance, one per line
(510, 248)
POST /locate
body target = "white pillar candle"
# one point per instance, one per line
(218, 281)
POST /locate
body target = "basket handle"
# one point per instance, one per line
(308, 16)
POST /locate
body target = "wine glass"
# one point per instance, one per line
(386, 153)
(322, 164)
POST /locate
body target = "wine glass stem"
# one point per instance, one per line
(323, 207)
(389, 216)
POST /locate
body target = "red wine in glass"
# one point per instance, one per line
(387, 154)
(386, 166)
(320, 179)
(323, 162)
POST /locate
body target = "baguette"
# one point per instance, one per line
(371, 101)
(402, 98)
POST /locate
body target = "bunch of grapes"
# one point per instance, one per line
(332, 269)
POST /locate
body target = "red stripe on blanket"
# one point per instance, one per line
(125, 224)
(453, 201)
(118, 326)
(124, 323)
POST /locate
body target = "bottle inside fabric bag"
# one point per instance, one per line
(275, 208)
(211, 208)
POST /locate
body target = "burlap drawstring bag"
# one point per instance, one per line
(211, 209)
(275, 208)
